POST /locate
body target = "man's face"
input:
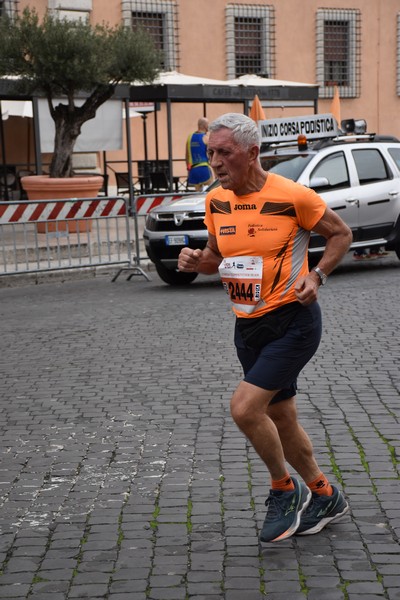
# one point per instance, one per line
(229, 161)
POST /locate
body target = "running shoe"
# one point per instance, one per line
(321, 511)
(378, 253)
(284, 510)
(363, 256)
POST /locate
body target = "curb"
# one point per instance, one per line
(65, 275)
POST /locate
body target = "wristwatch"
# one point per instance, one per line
(322, 277)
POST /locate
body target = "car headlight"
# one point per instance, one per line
(150, 222)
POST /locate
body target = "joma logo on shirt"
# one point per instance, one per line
(245, 207)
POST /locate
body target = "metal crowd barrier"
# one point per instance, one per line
(51, 235)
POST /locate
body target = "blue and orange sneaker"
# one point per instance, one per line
(284, 510)
(321, 511)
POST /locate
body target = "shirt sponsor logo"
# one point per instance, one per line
(227, 230)
(254, 228)
(245, 206)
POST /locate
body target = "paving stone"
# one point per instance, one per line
(317, 594)
(207, 597)
(360, 596)
(47, 596)
(132, 585)
(126, 596)
(167, 594)
(365, 587)
(89, 590)
(205, 588)
(14, 591)
(254, 595)
(48, 587)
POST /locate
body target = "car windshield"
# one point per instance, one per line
(286, 165)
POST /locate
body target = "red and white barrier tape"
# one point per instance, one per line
(27, 212)
(145, 203)
(56, 210)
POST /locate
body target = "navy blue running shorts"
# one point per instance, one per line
(278, 364)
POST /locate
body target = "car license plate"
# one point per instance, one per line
(176, 240)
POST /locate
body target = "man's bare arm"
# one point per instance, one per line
(204, 261)
(338, 239)
(338, 236)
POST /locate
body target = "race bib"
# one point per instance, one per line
(242, 278)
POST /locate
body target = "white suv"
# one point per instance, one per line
(357, 175)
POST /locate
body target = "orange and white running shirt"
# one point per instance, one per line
(263, 238)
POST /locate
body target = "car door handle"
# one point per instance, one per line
(394, 193)
(353, 201)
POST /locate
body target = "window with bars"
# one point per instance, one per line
(8, 7)
(72, 10)
(338, 52)
(336, 44)
(250, 40)
(153, 23)
(160, 19)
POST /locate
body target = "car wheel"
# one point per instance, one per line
(397, 250)
(174, 277)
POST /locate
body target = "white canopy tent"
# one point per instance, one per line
(263, 83)
(256, 80)
(176, 78)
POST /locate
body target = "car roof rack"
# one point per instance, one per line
(351, 138)
(386, 138)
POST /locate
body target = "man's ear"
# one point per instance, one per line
(254, 152)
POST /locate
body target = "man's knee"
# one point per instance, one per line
(284, 415)
(241, 411)
(249, 404)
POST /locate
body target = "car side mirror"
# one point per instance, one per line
(319, 182)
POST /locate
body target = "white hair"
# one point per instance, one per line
(245, 130)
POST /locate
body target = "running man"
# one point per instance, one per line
(259, 226)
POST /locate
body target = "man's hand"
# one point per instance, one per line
(306, 289)
(189, 260)
(204, 261)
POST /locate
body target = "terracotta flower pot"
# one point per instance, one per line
(42, 187)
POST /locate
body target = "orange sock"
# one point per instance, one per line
(283, 485)
(321, 486)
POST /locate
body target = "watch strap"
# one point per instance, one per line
(322, 277)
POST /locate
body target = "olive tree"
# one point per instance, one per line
(60, 58)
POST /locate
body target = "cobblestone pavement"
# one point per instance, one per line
(122, 476)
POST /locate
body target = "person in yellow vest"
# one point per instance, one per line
(199, 170)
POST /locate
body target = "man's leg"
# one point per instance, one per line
(288, 498)
(296, 444)
(249, 411)
(328, 503)
(265, 370)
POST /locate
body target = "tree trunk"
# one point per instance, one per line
(68, 121)
(67, 129)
